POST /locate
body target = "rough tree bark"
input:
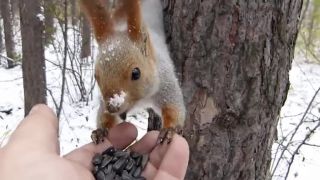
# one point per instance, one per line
(233, 58)
(14, 4)
(74, 17)
(1, 37)
(86, 38)
(8, 30)
(14, 9)
(49, 7)
(33, 61)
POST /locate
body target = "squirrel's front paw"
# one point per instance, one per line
(98, 135)
(166, 134)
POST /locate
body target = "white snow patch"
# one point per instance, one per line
(41, 9)
(117, 100)
(40, 17)
(305, 80)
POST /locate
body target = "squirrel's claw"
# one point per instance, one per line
(98, 135)
(168, 133)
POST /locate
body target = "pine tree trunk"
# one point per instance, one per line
(233, 58)
(86, 38)
(33, 62)
(74, 18)
(8, 30)
(1, 39)
(49, 23)
(14, 8)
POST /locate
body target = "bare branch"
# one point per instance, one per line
(307, 137)
(295, 131)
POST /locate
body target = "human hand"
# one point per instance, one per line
(33, 151)
(166, 161)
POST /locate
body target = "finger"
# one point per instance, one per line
(120, 137)
(147, 143)
(38, 132)
(175, 161)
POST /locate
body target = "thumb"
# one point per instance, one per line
(119, 136)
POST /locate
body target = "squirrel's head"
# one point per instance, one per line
(125, 73)
(125, 67)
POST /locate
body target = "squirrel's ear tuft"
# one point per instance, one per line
(131, 9)
(99, 17)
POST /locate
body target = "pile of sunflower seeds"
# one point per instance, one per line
(119, 165)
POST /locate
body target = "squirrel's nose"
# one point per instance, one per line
(112, 109)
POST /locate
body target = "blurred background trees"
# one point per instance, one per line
(8, 22)
(308, 43)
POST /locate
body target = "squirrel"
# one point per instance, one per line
(133, 64)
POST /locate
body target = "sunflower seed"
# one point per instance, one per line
(110, 175)
(139, 178)
(119, 165)
(95, 170)
(138, 161)
(129, 164)
(108, 169)
(137, 173)
(96, 159)
(100, 176)
(110, 151)
(134, 167)
(114, 159)
(134, 155)
(106, 160)
(144, 161)
(126, 176)
(121, 154)
(117, 177)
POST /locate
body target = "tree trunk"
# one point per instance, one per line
(1, 38)
(86, 38)
(74, 18)
(8, 30)
(233, 58)
(49, 7)
(14, 8)
(33, 63)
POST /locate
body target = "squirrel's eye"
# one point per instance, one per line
(135, 74)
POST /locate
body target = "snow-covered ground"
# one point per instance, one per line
(305, 81)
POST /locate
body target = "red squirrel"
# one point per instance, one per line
(133, 65)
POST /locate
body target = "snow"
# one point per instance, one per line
(117, 100)
(11, 97)
(40, 17)
(305, 80)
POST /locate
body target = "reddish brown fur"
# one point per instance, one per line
(169, 115)
(99, 18)
(132, 8)
(107, 121)
(103, 24)
(122, 81)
